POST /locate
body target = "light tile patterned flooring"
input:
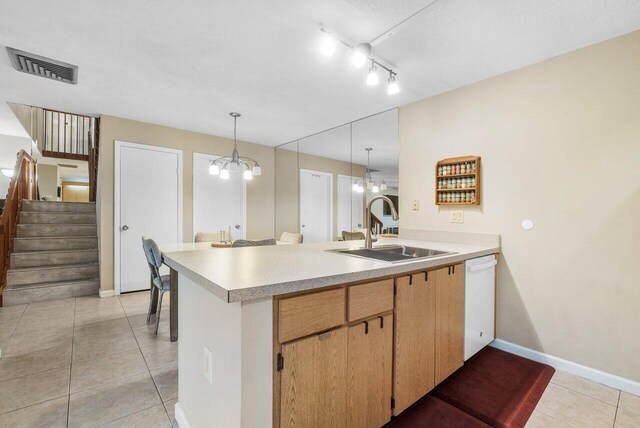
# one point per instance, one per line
(90, 362)
(87, 362)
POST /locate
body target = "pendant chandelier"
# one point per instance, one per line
(368, 182)
(235, 163)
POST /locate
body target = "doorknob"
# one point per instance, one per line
(125, 227)
(237, 226)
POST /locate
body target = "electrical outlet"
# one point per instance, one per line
(208, 365)
(457, 217)
(416, 205)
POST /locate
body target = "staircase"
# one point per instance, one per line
(55, 253)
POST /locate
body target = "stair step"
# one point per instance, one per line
(31, 217)
(56, 207)
(53, 230)
(39, 274)
(53, 258)
(49, 291)
(21, 245)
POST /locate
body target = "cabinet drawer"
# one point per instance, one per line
(311, 313)
(370, 299)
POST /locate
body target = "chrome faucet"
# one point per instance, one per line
(368, 244)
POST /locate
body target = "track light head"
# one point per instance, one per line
(372, 77)
(392, 86)
(360, 54)
(327, 44)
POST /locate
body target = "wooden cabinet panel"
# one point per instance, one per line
(366, 300)
(301, 316)
(370, 360)
(314, 381)
(449, 333)
(414, 339)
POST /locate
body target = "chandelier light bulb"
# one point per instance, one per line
(224, 174)
(392, 87)
(248, 175)
(360, 189)
(327, 45)
(257, 170)
(372, 77)
(214, 169)
(355, 187)
(375, 189)
(383, 186)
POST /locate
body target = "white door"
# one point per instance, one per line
(217, 204)
(350, 205)
(148, 195)
(316, 197)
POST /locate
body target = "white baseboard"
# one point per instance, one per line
(181, 419)
(107, 293)
(598, 376)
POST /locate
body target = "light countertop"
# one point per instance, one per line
(240, 274)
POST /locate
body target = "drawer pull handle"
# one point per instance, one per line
(426, 276)
(381, 322)
(366, 327)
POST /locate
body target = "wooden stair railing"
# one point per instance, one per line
(93, 161)
(23, 185)
(68, 135)
(376, 224)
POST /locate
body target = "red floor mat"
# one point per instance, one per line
(431, 412)
(499, 388)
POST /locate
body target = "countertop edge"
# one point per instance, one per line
(269, 290)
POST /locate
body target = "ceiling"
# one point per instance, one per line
(187, 64)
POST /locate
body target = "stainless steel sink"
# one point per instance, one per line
(393, 253)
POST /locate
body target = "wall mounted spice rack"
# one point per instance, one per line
(458, 181)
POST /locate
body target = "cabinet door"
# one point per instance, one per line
(370, 349)
(314, 381)
(414, 339)
(449, 321)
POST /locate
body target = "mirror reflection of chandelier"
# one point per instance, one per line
(235, 163)
(368, 182)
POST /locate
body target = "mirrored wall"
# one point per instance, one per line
(324, 181)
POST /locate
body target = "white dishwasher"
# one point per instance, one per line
(479, 303)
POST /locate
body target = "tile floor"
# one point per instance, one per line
(87, 362)
(90, 362)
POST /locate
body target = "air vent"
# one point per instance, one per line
(44, 67)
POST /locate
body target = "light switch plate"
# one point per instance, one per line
(208, 365)
(457, 217)
(416, 205)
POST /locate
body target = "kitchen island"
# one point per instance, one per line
(297, 335)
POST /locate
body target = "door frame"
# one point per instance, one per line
(364, 199)
(193, 211)
(116, 200)
(330, 236)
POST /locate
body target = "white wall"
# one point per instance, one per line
(560, 145)
(9, 147)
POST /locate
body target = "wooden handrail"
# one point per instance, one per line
(376, 224)
(23, 185)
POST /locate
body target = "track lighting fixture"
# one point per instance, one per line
(372, 77)
(392, 84)
(360, 54)
(327, 44)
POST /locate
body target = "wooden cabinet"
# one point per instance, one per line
(343, 354)
(414, 338)
(449, 332)
(311, 313)
(314, 381)
(370, 359)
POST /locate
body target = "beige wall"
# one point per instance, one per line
(560, 144)
(288, 164)
(48, 181)
(260, 194)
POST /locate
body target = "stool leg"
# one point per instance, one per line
(158, 311)
(153, 298)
